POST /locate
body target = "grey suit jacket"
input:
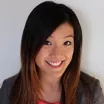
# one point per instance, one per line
(94, 85)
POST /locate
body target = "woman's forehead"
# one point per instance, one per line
(65, 30)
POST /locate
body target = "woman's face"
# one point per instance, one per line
(57, 51)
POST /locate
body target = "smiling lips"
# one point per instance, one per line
(54, 64)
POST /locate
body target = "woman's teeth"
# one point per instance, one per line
(54, 64)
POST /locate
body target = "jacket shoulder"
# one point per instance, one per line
(9, 81)
(5, 89)
(87, 78)
(93, 84)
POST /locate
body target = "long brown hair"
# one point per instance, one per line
(41, 22)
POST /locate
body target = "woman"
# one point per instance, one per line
(50, 62)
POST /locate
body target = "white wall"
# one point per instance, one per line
(13, 14)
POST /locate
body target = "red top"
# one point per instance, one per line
(43, 102)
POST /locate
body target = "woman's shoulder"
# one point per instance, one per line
(5, 89)
(88, 79)
(88, 82)
(9, 81)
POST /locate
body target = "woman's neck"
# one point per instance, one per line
(51, 89)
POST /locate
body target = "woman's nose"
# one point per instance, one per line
(57, 51)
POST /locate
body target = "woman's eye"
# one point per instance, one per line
(67, 43)
(47, 42)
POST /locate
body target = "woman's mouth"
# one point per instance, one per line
(55, 64)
